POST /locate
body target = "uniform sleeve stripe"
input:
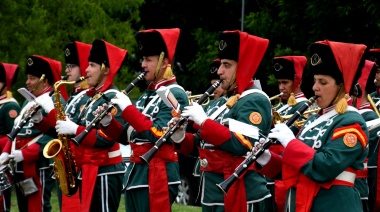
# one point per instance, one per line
(156, 132)
(356, 129)
(243, 140)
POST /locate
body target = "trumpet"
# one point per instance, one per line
(254, 154)
(277, 119)
(278, 96)
(194, 98)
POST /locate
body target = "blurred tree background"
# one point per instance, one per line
(43, 27)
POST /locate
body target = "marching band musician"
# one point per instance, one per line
(101, 167)
(288, 71)
(157, 182)
(374, 55)
(76, 59)
(220, 149)
(32, 168)
(9, 110)
(363, 87)
(319, 166)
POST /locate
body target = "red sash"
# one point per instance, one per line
(90, 161)
(222, 162)
(157, 177)
(306, 189)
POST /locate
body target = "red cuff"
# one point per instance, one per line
(3, 143)
(52, 117)
(31, 153)
(187, 145)
(215, 133)
(43, 126)
(136, 119)
(90, 139)
(297, 153)
(273, 167)
(112, 131)
(8, 147)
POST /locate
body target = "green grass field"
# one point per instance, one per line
(54, 203)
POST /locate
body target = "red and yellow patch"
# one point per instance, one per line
(13, 114)
(350, 139)
(351, 129)
(255, 118)
(114, 111)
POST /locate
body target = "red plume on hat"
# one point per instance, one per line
(83, 53)
(116, 57)
(10, 73)
(170, 37)
(362, 81)
(56, 68)
(347, 57)
(299, 63)
(251, 51)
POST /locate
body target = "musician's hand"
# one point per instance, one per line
(265, 157)
(37, 117)
(282, 133)
(66, 127)
(17, 156)
(121, 100)
(106, 120)
(3, 157)
(179, 134)
(45, 102)
(196, 113)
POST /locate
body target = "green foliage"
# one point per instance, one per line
(44, 27)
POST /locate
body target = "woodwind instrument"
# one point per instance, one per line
(152, 151)
(252, 157)
(78, 139)
(59, 149)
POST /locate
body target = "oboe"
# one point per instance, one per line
(151, 152)
(252, 157)
(78, 139)
(33, 111)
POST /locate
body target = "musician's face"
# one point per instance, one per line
(326, 89)
(377, 78)
(149, 64)
(226, 72)
(285, 86)
(73, 72)
(32, 81)
(94, 73)
(219, 91)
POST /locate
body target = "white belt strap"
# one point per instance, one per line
(346, 176)
(114, 154)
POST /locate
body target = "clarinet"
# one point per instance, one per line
(33, 111)
(79, 138)
(252, 157)
(151, 152)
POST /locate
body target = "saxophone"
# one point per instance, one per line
(59, 149)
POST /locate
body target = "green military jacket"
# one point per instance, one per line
(9, 110)
(253, 109)
(85, 118)
(75, 103)
(331, 136)
(160, 114)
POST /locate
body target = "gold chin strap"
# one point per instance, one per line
(9, 94)
(159, 64)
(84, 85)
(101, 76)
(39, 82)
